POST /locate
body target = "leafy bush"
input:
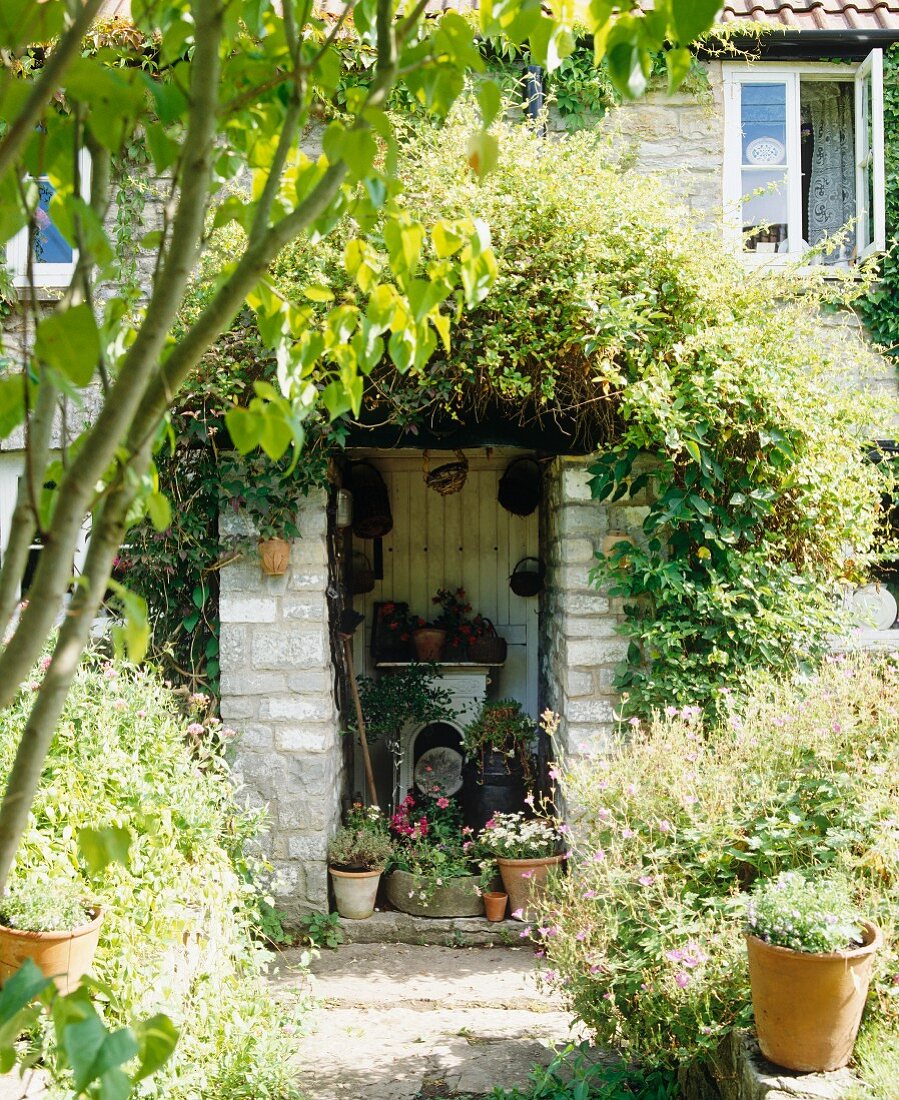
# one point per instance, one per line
(44, 905)
(804, 914)
(575, 1074)
(645, 933)
(177, 935)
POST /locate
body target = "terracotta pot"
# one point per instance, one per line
(429, 642)
(355, 892)
(274, 555)
(495, 904)
(457, 897)
(525, 882)
(808, 1006)
(64, 956)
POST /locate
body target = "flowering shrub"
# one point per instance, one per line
(515, 836)
(45, 904)
(804, 914)
(645, 933)
(431, 842)
(179, 922)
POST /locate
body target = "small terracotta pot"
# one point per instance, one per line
(808, 1006)
(525, 883)
(64, 956)
(429, 642)
(495, 904)
(274, 554)
(355, 892)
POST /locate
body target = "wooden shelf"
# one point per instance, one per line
(444, 666)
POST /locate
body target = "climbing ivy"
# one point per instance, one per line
(880, 308)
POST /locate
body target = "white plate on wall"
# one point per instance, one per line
(874, 605)
(765, 150)
(440, 767)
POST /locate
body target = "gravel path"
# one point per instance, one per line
(395, 1022)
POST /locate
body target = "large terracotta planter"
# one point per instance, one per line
(524, 880)
(274, 556)
(355, 892)
(64, 956)
(457, 897)
(807, 1006)
(429, 642)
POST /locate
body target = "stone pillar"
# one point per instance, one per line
(277, 692)
(580, 646)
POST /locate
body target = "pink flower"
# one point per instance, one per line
(581, 935)
(525, 932)
(631, 788)
(664, 826)
(443, 802)
(646, 880)
(627, 833)
(599, 855)
(527, 874)
(671, 712)
(517, 914)
(196, 729)
(682, 978)
(45, 663)
(635, 722)
(591, 894)
(119, 705)
(603, 814)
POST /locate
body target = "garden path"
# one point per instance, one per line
(396, 1021)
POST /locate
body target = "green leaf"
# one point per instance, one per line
(678, 63)
(156, 1039)
(482, 153)
(132, 637)
(20, 990)
(93, 1051)
(69, 342)
(245, 429)
(693, 18)
(100, 847)
(12, 403)
(159, 511)
(490, 100)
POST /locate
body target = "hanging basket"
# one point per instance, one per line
(448, 478)
(527, 577)
(372, 518)
(520, 487)
(362, 576)
(490, 649)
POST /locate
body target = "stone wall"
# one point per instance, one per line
(580, 646)
(277, 685)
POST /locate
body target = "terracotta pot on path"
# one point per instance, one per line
(64, 956)
(525, 882)
(355, 892)
(274, 555)
(495, 904)
(808, 1006)
(429, 642)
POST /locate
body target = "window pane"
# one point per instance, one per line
(50, 247)
(763, 117)
(767, 210)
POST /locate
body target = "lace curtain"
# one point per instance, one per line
(831, 200)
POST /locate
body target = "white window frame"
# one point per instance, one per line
(867, 79)
(46, 275)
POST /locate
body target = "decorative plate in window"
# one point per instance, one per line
(765, 150)
(439, 771)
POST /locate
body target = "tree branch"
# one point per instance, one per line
(67, 49)
(102, 440)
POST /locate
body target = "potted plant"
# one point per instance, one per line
(497, 745)
(810, 962)
(526, 850)
(268, 498)
(357, 857)
(51, 924)
(432, 872)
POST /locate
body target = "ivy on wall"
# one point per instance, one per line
(880, 308)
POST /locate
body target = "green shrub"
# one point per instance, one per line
(44, 905)
(645, 934)
(177, 935)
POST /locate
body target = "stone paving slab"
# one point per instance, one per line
(397, 1021)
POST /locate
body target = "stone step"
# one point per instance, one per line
(389, 926)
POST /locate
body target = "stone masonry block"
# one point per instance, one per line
(592, 711)
(309, 553)
(237, 709)
(595, 605)
(575, 551)
(577, 683)
(313, 737)
(241, 681)
(307, 683)
(317, 886)
(299, 708)
(589, 652)
(288, 647)
(308, 847)
(307, 580)
(234, 646)
(588, 520)
(575, 485)
(586, 626)
(310, 609)
(255, 737)
(237, 609)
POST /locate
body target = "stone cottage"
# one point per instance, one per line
(804, 136)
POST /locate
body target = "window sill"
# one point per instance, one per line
(868, 639)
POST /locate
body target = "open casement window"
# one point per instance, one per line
(869, 172)
(803, 162)
(52, 257)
